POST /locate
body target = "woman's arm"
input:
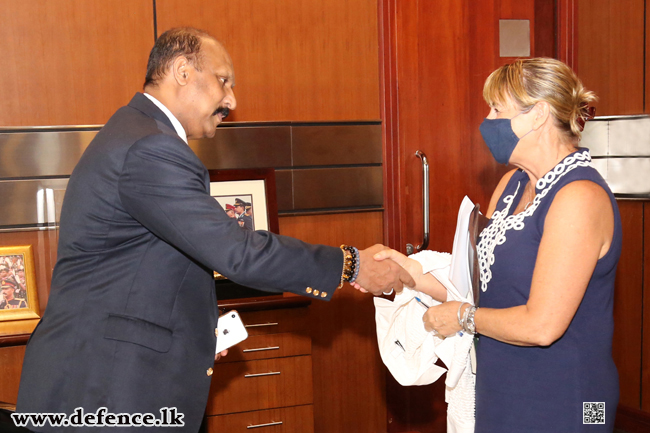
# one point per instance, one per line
(578, 230)
(425, 283)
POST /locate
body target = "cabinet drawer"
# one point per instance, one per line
(297, 419)
(276, 321)
(269, 346)
(263, 384)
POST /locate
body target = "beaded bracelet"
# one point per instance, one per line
(357, 264)
(350, 264)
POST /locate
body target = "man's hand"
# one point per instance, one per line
(413, 267)
(382, 276)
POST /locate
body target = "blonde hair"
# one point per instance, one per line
(529, 81)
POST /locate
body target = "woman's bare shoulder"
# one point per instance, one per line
(583, 194)
(582, 207)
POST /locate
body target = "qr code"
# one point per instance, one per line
(593, 413)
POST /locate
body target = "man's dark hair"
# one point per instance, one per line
(182, 41)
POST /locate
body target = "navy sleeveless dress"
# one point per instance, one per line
(543, 389)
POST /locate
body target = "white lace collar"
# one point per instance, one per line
(495, 233)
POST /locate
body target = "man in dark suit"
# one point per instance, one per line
(132, 313)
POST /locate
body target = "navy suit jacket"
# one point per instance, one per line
(130, 322)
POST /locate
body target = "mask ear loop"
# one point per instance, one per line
(523, 112)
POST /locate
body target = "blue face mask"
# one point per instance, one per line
(500, 138)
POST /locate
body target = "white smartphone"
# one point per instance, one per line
(230, 331)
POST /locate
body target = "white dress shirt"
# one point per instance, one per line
(175, 123)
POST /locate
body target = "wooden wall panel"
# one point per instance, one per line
(294, 59)
(71, 62)
(11, 364)
(349, 384)
(611, 53)
(628, 305)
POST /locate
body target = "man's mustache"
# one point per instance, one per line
(224, 111)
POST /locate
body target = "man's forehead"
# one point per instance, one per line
(216, 54)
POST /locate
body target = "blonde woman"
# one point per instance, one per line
(547, 259)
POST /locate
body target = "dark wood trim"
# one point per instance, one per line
(330, 211)
(390, 122)
(14, 340)
(567, 32)
(645, 330)
(544, 32)
(631, 420)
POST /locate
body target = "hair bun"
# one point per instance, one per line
(586, 113)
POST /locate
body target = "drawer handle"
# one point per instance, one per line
(257, 325)
(270, 373)
(261, 349)
(268, 424)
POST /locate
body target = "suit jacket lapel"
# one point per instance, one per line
(143, 104)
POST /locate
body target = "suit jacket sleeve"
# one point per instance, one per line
(163, 185)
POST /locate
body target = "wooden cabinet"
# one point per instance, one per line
(291, 419)
(265, 382)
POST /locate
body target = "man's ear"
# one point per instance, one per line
(542, 112)
(180, 70)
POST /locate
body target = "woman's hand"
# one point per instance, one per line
(443, 319)
(425, 283)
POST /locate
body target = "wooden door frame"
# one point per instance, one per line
(389, 111)
(566, 25)
(567, 32)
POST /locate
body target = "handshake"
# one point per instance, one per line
(383, 270)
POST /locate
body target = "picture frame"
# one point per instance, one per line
(255, 189)
(18, 293)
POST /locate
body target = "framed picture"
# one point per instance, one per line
(18, 295)
(248, 196)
